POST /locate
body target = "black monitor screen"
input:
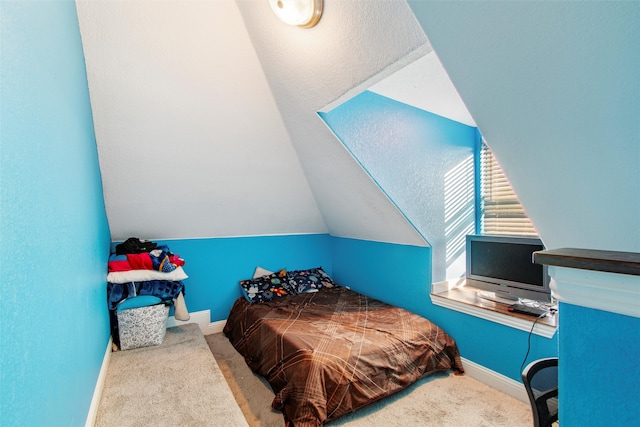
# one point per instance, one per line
(506, 261)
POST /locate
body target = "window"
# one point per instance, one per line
(500, 209)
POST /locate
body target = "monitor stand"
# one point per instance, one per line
(498, 297)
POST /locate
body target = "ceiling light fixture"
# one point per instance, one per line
(303, 13)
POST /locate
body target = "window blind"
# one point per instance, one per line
(501, 211)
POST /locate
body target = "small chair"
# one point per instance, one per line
(540, 379)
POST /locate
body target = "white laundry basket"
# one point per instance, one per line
(142, 326)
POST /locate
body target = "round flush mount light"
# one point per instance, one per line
(302, 13)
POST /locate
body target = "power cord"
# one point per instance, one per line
(529, 341)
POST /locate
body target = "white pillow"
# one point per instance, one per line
(145, 275)
(260, 272)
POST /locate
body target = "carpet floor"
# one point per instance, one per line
(442, 399)
(176, 383)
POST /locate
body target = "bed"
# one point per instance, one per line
(332, 351)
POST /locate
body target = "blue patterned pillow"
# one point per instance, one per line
(266, 288)
(312, 280)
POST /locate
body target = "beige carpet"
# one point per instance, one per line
(177, 383)
(439, 400)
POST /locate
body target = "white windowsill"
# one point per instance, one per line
(441, 296)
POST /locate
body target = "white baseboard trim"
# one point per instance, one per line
(215, 327)
(495, 380)
(203, 319)
(97, 391)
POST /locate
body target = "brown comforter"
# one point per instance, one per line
(334, 351)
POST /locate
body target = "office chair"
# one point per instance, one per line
(540, 379)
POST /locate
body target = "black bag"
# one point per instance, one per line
(133, 245)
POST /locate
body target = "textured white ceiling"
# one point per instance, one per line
(425, 84)
(354, 43)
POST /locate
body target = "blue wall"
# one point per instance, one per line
(401, 275)
(599, 354)
(55, 237)
(423, 162)
(397, 274)
(215, 266)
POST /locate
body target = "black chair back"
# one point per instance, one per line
(540, 379)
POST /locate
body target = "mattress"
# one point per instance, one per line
(333, 351)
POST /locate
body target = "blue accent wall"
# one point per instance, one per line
(54, 232)
(500, 348)
(215, 266)
(397, 274)
(598, 367)
(394, 273)
(423, 162)
(401, 275)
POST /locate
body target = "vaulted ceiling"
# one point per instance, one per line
(206, 118)
(205, 129)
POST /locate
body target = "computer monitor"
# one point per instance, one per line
(504, 264)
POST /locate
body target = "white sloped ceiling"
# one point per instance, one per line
(191, 143)
(553, 87)
(206, 118)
